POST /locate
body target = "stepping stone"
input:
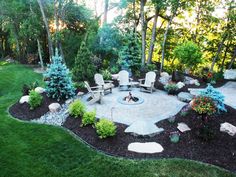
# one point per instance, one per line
(230, 74)
(149, 147)
(39, 90)
(54, 107)
(180, 85)
(24, 99)
(143, 128)
(183, 127)
(228, 128)
(185, 97)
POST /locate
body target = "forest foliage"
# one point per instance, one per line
(142, 32)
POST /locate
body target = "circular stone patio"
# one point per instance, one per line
(155, 107)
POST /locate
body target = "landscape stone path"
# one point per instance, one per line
(156, 107)
(228, 90)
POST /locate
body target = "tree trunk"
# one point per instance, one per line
(50, 46)
(56, 22)
(105, 12)
(165, 36)
(153, 39)
(143, 31)
(40, 54)
(218, 52)
(164, 43)
(134, 14)
(225, 54)
(233, 59)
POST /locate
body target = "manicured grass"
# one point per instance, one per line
(40, 150)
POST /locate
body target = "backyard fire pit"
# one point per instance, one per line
(130, 99)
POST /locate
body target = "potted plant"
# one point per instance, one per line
(174, 137)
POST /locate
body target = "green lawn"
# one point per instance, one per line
(40, 150)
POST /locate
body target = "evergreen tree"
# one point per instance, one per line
(58, 80)
(84, 68)
(130, 54)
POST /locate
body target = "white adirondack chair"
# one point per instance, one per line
(149, 81)
(124, 80)
(95, 94)
(105, 85)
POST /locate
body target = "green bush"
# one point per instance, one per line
(114, 69)
(106, 74)
(88, 118)
(188, 54)
(77, 109)
(105, 128)
(171, 88)
(35, 99)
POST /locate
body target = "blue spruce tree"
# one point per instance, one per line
(58, 80)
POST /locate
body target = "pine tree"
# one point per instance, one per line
(58, 80)
(130, 54)
(84, 68)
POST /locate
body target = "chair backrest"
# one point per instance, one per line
(123, 77)
(88, 88)
(150, 78)
(99, 79)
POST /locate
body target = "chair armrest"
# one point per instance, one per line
(96, 87)
(140, 80)
(108, 81)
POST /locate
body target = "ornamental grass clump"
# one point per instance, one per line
(105, 128)
(35, 99)
(77, 109)
(89, 118)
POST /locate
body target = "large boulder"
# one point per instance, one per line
(165, 78)
(185, 97)
(230, 74)
(24, 99)
(54, 107)
(228, 128)
(180, 85)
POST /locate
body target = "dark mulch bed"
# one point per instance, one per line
(23, 112)
(220, 151)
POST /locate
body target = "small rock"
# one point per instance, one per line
(185, 97)
(24, 99)
(54, 107)
(149, 147)
(143, 128)
(165, 74)
(183, 127)
(69, 101)
(115, 76)
(39, 90)
(80, 93)
(230, 74)
(180, 85)
(228, 128)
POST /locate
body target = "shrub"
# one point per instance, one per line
(88, 118)
(216, 96)
(83, 68)
(114, 69)
(204, 105)
(106, 75)
(188, 54)
(171, 88)
(58, 81)
(35, 100)
(79, 85)
(105, 128)
(77, 109)
(27, 87)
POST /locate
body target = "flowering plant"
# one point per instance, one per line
(204, 105)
